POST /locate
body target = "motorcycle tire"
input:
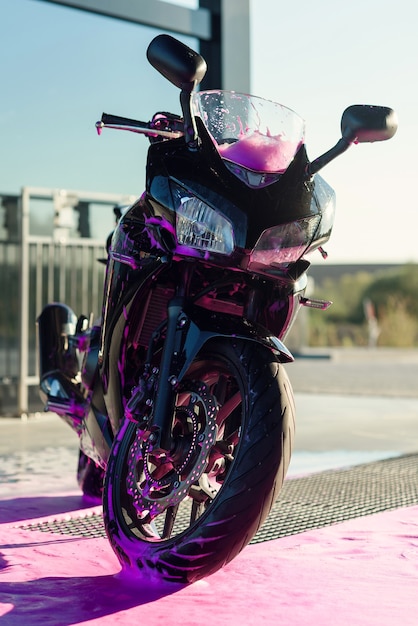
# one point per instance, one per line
(226, 488)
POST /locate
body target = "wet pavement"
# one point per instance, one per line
(353, 406)
(351, 409)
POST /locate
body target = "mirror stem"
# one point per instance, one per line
(190, 130)
(326, 158)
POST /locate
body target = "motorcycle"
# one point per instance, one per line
(180, 395)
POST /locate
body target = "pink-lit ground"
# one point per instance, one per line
(363, 572)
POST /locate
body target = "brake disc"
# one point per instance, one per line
(151, 496)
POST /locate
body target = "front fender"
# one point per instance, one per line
(199, 326)
(195, 328)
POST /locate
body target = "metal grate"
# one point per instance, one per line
(333, 496)
(88, 525)
(305, 503)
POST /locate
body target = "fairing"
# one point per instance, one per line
(205, 174)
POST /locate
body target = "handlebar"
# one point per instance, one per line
(163, 125)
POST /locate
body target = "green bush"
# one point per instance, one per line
(393, 295)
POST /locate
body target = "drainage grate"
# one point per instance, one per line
(335, 496)
(305, 503)
(88, 525)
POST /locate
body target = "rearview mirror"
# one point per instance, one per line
(181, 65)
(361, 123)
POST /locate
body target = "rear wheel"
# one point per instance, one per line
(90, 478)
(182, 518)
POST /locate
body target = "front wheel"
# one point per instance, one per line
(181, 519)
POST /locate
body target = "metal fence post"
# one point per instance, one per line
(23, 303)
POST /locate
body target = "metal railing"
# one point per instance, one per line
(38, 269)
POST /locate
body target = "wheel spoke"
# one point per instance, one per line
(230, 405)
(170, 518)
(197, 510)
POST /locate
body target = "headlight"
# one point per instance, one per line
(199, 226)
(284, 244)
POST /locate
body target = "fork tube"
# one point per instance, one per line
(164, 401)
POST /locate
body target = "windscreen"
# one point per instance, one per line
(251, 132)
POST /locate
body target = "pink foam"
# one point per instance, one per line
(363, 572)
(260, 152)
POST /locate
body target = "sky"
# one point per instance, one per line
(60, 68)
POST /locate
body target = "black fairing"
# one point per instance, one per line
(204, 173)
(143, 256)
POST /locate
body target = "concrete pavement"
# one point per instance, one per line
(353, 406)
(360, 571)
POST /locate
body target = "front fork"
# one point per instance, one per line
(161, 438)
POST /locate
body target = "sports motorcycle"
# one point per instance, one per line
(180, 396)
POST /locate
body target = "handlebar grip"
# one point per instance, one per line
(108, 118)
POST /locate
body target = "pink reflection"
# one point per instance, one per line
(260, 152)
(360, 572)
